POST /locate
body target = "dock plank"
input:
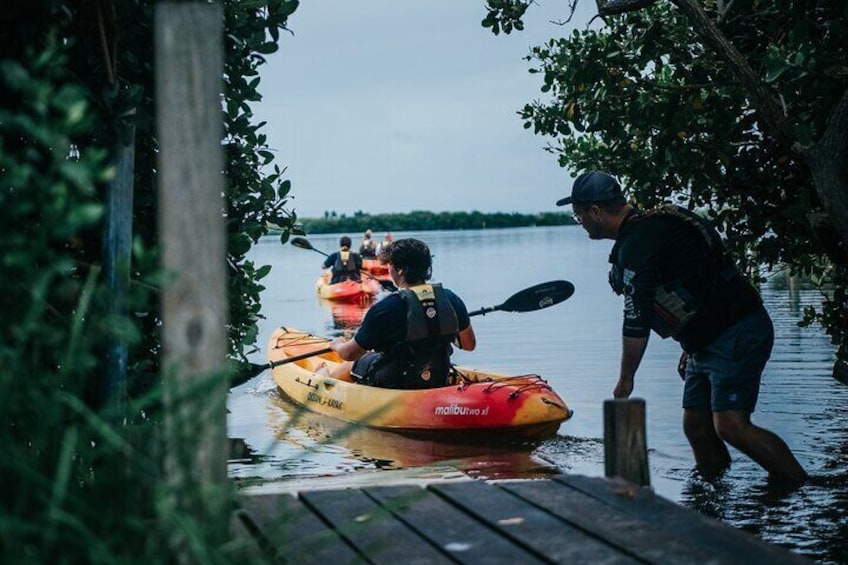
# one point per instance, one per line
(528, 525)
(568, 519)
(292, 531)
(466, 539)
(702, 531)
(630, 534)
(373, 530)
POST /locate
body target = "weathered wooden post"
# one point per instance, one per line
(189, 69)
(117, 251)
(625, 444)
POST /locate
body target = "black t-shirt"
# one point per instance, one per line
(658, 249)
(385, 322)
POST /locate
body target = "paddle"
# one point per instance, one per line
(536, 297)
(531, 299)
(303, 243)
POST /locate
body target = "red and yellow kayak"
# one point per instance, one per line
(346, 290)
(522, 406)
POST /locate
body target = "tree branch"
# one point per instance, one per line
(764, 100)
(827, 160)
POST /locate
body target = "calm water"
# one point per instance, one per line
(575, 346)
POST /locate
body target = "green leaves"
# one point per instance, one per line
(505, 15)
(641, 97)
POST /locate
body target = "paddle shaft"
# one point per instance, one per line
(273, 364)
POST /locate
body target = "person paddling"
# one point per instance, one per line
(406, 339)
(345, 264)
(368, 247)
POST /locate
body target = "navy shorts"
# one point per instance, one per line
(725, 375)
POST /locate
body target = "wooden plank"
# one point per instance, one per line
(188, 49)
(289, 531)
(630, 534)
(466, 539)
(372, 530)
(735, 546)
(529, 526)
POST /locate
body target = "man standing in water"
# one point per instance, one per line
(677, 279)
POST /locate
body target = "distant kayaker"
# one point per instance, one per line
(345, 264)
(384, 245)
(406, 339)
(368, 247)
(678, 280)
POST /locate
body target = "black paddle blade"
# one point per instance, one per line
(301, 242)
(538, 297)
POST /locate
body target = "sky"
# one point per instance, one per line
(392, 106)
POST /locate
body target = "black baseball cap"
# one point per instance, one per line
(594, 186)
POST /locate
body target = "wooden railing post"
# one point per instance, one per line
(188, 73)
(625, 444)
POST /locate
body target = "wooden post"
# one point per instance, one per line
(189, 66)
(117, 251)
(625, 445)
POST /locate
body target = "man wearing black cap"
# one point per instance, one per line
(677, 279)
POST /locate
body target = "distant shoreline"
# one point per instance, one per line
(428, 221)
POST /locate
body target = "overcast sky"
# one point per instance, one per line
(394, 105)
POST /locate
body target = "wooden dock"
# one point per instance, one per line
(567, 519)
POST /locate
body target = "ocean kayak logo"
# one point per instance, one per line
(457, 410)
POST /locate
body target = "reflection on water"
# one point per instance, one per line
(388, 450)
(575, 347)
(346, 315)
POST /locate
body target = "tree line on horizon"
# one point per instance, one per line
(421, 220)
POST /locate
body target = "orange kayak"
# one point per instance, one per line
(374, 267)
(523, 406)
(350, 291)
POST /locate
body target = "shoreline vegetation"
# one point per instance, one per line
(419, 220)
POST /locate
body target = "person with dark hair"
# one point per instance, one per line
(406, 339)
(678, 280)
(368, 247)
(345, 264)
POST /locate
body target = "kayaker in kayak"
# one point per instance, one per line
(345, 264)
(368, 247)
(384, 245)
(406, 339)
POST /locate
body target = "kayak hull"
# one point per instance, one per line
(480, 403)
(346, 291)
(374, 267)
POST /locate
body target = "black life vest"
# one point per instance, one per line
(345, 267)
(715, 282)
(368, 249)
(422, 359)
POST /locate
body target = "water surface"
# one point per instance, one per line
(575, 346)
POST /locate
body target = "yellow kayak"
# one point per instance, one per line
(479, 402)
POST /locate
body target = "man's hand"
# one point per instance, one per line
(623, 388)
(681, 365)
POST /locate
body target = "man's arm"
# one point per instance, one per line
(347, 349)
(632, 350)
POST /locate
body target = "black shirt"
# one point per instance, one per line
(653, 250)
